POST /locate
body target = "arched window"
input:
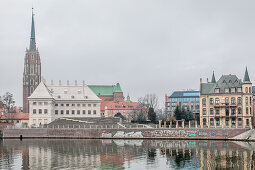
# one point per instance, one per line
(217, 101)
(249, 90)
(246, 89)
(226, 100)
(204, 121)
(246, 100)
(204, 102)
(233, 100)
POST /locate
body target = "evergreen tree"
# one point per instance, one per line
(177, 113)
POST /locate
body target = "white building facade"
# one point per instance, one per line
(50, 102)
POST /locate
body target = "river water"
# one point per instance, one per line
(125, 154)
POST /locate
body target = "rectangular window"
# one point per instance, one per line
(89, 112)
(84, 112)
(40, 103)
(62, 104)
(67, 104)
(94, 112)
(62, 112)
(94, 105)
(83, 105)
(78, 112)
(45, 111)
(211, 111)
(233, 90)
(73, 104)
(56, 112)
(40, 111)
(34, 103)
(73, 112)
(204, 111)
(56, 104)
(45, 103)
(78, 104)
(217, 111)
(34, 111)
(67, 112)
(211, 101)
(89, 105)
(247, 110)
(233, 111)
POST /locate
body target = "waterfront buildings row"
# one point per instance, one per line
(228, 102)
(47, 102)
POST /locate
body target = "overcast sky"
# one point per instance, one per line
(148, 46)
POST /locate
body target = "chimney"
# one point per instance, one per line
(75, 83)
(51, 82)
(207, 80)
(67, 82)
(59, 82)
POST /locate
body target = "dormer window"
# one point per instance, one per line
(239, 89)
(72, 97)
(59, 97)
(226, 90)
(216, 90)
(233, 90)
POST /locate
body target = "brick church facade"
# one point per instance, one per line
(32, 69)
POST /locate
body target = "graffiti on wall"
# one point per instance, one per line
(170, 133)
(122, 134)
(202, 134)
(106, 135)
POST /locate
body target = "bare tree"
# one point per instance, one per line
(149, 101)
(8, 101)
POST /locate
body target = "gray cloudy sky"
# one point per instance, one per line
(148, 46)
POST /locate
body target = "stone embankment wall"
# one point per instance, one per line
(126, 133)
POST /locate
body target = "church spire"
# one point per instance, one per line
(32, 46)
(213, 78)
(246, 78)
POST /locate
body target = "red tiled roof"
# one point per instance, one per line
(111, 105)
(16, 116)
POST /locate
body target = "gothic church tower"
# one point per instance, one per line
(32, 69)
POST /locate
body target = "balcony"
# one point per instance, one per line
(225, 105)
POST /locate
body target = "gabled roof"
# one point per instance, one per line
(64, 92)
(41, 92)
(226, 81)
(105, 90)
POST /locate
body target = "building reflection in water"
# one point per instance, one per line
(118, 154)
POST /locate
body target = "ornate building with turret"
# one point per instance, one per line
(227, 102)
(32, 69)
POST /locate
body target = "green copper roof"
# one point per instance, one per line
(32, 46)
(128, 99)
(213, 79)
(226, 81)
(246, 78)
(117, 88)
(103, 90)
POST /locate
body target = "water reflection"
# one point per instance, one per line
(125, 154)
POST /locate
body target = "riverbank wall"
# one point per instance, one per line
(125, 133)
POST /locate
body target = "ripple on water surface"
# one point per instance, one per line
(125, 154)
